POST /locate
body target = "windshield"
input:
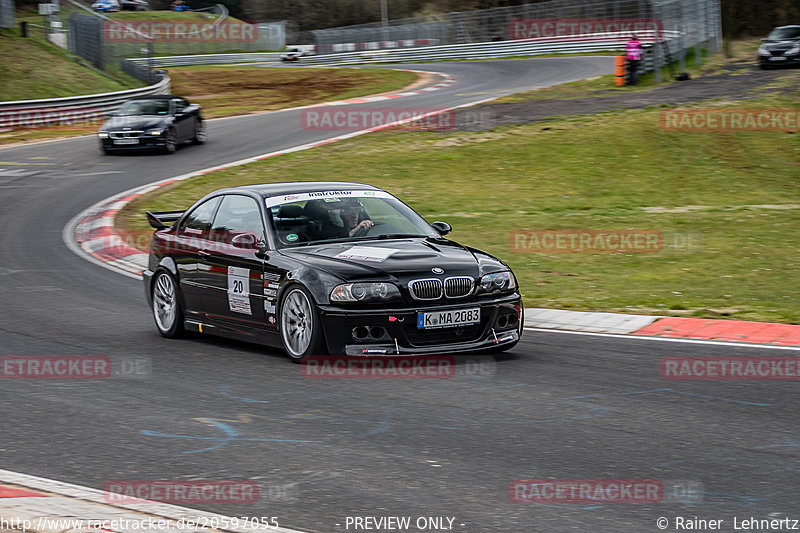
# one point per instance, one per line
(782, 34)
(353, 216)
(144, 107)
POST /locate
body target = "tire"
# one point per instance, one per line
(107, 151)
(200, 132)
(166, 306)
(299, 323)
(171, 142)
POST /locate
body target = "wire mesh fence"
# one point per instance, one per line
(698, 21)
(106, 41)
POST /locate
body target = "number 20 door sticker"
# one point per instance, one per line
(239, 290)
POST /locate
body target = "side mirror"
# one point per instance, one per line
(261, 250)
(442, 227)
(245, 241)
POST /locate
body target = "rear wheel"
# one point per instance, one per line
(167, 310)
(301, 331)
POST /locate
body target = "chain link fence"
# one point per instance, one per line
(698, 21)
(106, 43)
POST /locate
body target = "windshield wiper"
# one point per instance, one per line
(398, 236)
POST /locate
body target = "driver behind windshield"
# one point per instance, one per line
(348, 219)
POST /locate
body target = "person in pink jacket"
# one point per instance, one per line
(633, 52)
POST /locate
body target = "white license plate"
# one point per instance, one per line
(448, 319)
(778, 58)
(126, 141)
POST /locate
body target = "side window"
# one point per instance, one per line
(199, 220)
(237, 214)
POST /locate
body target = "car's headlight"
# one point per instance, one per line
(762, 51)
(103, 134)
(155, 132)
(362, 292)
(499, 281)
(794, 50)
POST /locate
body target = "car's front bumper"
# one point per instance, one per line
(779, 61)
(396, 332)
(145, 143)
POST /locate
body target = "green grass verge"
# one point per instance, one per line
(33, 68)
(736, 257)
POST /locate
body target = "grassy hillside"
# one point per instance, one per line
(33, 68)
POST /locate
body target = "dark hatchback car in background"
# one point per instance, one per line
(780, 48)
(326, 267)
(153, 123)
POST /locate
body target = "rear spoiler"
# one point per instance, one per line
(163, 219)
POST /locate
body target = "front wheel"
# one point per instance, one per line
(301, 330)
(171, 142)
(200, 133)
(167, 310)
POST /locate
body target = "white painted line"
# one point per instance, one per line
(81, 497)
(668, 339)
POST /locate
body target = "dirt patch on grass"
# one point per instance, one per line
(240, 90)
(737, 82)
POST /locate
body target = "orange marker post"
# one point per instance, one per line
(619, 71)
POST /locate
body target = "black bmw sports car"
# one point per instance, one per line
(153, 123)
(326, 267)
(781, 48)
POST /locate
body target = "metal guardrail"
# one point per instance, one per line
(487, 50)
(208, 59)
(68, 110)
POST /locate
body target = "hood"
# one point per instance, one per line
(397, 259)
(133, 123)
(780, 46)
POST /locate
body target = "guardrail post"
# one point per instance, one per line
(656, 63)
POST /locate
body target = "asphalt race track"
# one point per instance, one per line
(559, 406)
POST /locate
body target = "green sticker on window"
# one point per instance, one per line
(291, 237)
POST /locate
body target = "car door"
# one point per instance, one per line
(236, 294)
(191, 240)
(183, 120)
